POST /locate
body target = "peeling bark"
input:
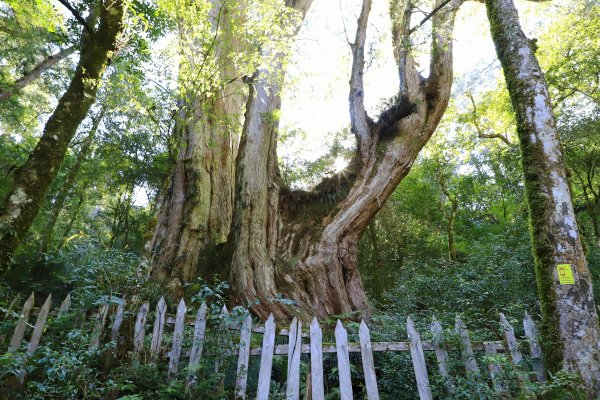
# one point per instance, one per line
(290, 242)
(33, 179)
(570, 319)
(304, 245)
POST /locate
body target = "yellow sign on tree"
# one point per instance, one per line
(565, 274)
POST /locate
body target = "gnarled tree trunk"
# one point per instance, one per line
(303, 245)
(195, 211)
(570, 319)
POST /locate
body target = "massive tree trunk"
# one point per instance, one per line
(33, 179)
(570, 326)
(195, 211)
(303, 245)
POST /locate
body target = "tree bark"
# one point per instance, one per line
(304, 244)
(59, 200)
(33, 179)
(195, 211)
(29, 76)
(297, 244)
(570, 320)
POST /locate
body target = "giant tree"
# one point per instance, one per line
(570, 319)
(33, 179)
(303, 244)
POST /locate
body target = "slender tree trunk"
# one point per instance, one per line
(59, 200)
(69, 226)
(33, 179)
(570, 320)
(37, 71)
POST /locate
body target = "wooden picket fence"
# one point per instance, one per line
(295, 347)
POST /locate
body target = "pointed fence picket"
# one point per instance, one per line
(177, 340)
(293, 349)
(157, 331)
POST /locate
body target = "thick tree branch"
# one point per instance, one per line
(77, 16)
(360, 121)
(479, 129)
(38, 70)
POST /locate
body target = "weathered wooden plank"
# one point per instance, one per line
(241, 377)
(177, 341)
(535, 351)
(441, 354)
(418, 361)
(117, 322)
(222, 340)
(292, 390)
(157, 331)
(467, 347)
(17, 337)
(511, 340)
(197, 344)
(493, 367)
(343, 358)
(266, 360)
(366, 352)
(65, 306)
(99, 326)
(36, 335)
(316, 361)
(139, 330)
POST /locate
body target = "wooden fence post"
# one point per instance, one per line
(65, 305)
(100, 321)
(493, 367)
(418, 360)
(293, 369)
(316, 361)
(157, 331)
(38, 329)
(139, 331)
(15, 342)
(117, 322)
(266, 360)
(197, 344)
(535, 351)
(468, 354)
(511, 341)
(441, 354)
(177, 341)
(366, 352)
(241, 378)
(343, 357)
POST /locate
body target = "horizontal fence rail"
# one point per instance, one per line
(314, 346)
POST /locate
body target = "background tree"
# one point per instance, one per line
(570, 318)
(33, 179)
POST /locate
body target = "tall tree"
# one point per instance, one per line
(33, 179)
(303, 244)
(571, 330)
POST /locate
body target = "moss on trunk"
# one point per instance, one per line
(570, 321)
(33, 179)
